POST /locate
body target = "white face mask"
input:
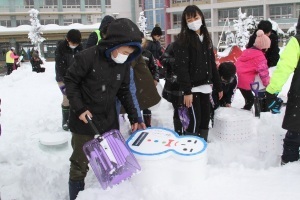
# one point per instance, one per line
(195, 25)
(121, 58)
(73, 47)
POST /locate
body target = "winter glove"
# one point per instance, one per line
(274, 103)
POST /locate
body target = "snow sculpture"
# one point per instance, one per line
(241, 26)
(142, 23)
(35, 33)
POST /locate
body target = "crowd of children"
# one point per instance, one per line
(117, 57)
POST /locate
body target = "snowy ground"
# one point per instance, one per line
(244, 170)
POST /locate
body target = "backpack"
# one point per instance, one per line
(171, 91)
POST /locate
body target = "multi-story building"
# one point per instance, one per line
(166, 13)
(216, 12)
(14, 13)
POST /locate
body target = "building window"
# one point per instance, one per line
(140, 3)
(23, 22)
(71, 3)
(160, 18)
(29, 2)
(148, 4)
(280, 11)
(149, 16)
(51, 2)
(256, 12)
(71, 21)
(6, 23)
(207, 16)
(108, 2)
(92, 3)
(177, 20)
(49, 21)
(228, 13)
(159, 3)
(180, 1)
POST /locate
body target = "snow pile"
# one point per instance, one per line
(235, 170)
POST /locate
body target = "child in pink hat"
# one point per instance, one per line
(253, 62)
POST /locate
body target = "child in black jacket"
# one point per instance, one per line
(36, 63)
(227, 72)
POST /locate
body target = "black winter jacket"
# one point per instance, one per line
(196, 66)
(151, 63)
(64, 58)
(272, 54)
(92, 40)
(155, 48)
(228, 92)
(94, 81)
(171, 91)
(36, 64)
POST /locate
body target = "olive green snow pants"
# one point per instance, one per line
(79, 163)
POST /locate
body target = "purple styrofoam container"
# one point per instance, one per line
(111, 159)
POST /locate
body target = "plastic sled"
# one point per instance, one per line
(110, 158)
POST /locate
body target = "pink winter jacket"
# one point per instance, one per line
(249, 64)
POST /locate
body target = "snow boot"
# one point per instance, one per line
(204, 134)
(74, 188)
(65, 117)
(147, 120)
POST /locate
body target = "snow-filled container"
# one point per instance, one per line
(271, 142)
(270, 138)
(232, 124)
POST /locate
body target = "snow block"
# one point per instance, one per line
(111, 159)
(232, 124)
(157, 143)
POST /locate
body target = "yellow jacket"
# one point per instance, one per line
(9, 57)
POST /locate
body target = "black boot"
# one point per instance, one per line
(74, 188)
(147, 120)
(177, 126)
(65, 117)
(203, 133)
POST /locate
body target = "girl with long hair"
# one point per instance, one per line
(197, 70)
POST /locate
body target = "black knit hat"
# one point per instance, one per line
(156, 30)
(298, 25)
(227, 70)
(122, 32)
(105, 22)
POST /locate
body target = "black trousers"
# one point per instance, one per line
(199, 115)
(249, 98)
(291, 144)
(9, 68)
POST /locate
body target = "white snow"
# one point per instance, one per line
(28, 170)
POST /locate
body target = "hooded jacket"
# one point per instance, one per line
(249, 64)
(94, 80)
(289, 63)
(64, 58)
